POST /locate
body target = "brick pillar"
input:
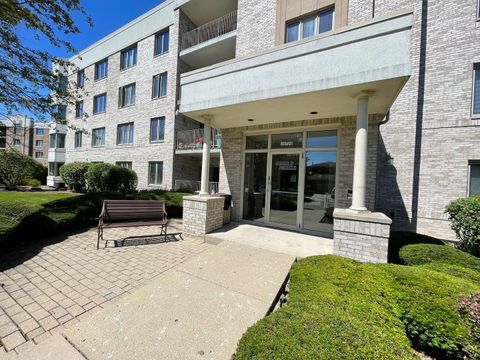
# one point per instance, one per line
(361, 236)
(202, 215)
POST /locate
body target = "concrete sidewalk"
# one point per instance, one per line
(198, 310)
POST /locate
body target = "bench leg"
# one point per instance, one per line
(98, 238)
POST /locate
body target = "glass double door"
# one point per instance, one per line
(291, 190)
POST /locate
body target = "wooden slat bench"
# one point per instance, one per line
(132, 213)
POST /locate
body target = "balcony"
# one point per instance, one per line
(193, 140)
(210, 43)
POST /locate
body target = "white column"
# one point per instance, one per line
(361, 152)
(204, 191)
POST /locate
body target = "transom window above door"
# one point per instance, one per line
(292, 140)
(310, 25)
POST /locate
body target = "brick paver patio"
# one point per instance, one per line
(49, 285)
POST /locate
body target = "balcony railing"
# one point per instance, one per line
(210, 30)
(195, 186)
(194, 139)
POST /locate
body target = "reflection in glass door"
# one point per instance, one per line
(319, 197)
(284, 189)
(255, 186)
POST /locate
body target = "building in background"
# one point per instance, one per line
(25, 135)
(56, 154)
(281, 90)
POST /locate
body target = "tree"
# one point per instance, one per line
(26, 76)
(15, 168)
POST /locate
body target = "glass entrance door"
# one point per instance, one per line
(284, 186)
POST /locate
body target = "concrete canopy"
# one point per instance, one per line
(322, 74)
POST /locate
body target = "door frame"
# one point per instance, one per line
(304, 129)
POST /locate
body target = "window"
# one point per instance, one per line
(162, 42)
(62, 82)
(79, 109)
(155, 173)
(124, 164)
(100, 104)
(38, 154)
(57, 141)
(16, 142)
(101, 70)
(98, 137)
(128, 58)
(286, 141)
(310, 26)
(476, 90)
(81, 78)
(78, 139)
(60, 112)
(17, 129)
(327, 138)
(39, 143)
(474, 179)
(125, 134)
(54, 168)
(159, 88)
(126, 95)
(257, 142)
(157, 129)
(39, 131)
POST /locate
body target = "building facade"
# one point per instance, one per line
(28, 137)
(321, 105)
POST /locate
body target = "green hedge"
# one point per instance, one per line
(465, 221)
(342, 309)
(399, 239)
(104, 177)
(74, 175)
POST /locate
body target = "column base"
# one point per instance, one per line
(361, 235)
(202, 214)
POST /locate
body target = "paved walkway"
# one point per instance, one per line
(198, 310)
(53, 285)
(282, 241)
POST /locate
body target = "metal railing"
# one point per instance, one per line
(194, 139)
(195, 186)
(210, 30)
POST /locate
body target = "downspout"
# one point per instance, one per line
(377, 172)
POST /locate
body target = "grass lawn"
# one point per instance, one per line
(342, 309)
(26, 215)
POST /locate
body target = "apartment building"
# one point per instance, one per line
(25, 135)
(366, 105)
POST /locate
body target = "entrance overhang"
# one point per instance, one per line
(322, 75)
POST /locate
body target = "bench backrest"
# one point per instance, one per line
(123, 210)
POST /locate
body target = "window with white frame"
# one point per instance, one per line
(155, 173)
(98, 137)
(125, 134)
(54, 168)
(310, 25)
(159, 86)
(57, 141)
(79, 109)
(78, 139)
(474, 177)
(162, 42)
(124, 164)
(476, 90)
(100, 103)
(38, 154)
(39, 143)
(126, 95)
(101, 69)
(128, 58)
(39, 131)
(157, 129)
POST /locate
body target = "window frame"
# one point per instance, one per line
(55, 144)
(469, 177)
(17, 142)
(104, 61)
(39, 152)
(300, 21)
(135, 57)
(121, 95)
(122, 163)
(161, 76)
(79, 105)
(78, 144)
(81, 75)
(130, 126)
(155, 45)
(150, 163)
(476, 67)
(95, 110)
(38, 141)
(93, 137)
(160, 119)
(39, 131)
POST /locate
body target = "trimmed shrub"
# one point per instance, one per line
(15, 168)
(74, 175)
(31, 182)
(399, 239)
(107, 177)
(421, 254)
(465, 217)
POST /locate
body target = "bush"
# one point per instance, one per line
(15, 168)
(399, 239)
(342, 309)
(74, 175)
(31, 182)
(470, 310)
(107, 177)
(421, 254)
(465, 217)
